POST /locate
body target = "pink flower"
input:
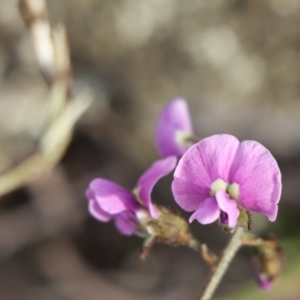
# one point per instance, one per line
(108, 201)
(174, 128)
(220, 177)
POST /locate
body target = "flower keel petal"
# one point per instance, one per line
(125, 223)
(97, 212)
(229, 206)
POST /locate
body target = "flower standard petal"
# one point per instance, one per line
(174, 119)
(229, 206)
(111, 197)
(201, 165)
(256, 172)
(147, 181)
(207, 212)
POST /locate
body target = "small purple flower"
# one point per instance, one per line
(264, 282)
(108, 201)
(219, 177)
(268, 262)
(174, 128)
(261, 264)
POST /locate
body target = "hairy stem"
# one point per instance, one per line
(235, 242)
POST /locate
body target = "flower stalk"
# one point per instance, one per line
(234, 244)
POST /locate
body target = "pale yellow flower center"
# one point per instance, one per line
(182, 138)
(231, 189)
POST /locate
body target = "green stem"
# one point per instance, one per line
(235, 242)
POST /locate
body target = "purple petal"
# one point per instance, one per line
(90, 195)
(147, 181)
(173, 119)
(224, 217)
(125, 223)
(264, 283)
(200, 166)
(229, 206)
(256, 172)
(207, 212)
(97, 212)
(111, 197)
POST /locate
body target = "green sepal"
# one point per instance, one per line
(245, 219)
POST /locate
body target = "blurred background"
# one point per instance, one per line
(237, 64)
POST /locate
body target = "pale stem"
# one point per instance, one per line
(235, 242)
(209, 257)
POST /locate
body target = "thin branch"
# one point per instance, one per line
(52, 52)
(235, 242)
